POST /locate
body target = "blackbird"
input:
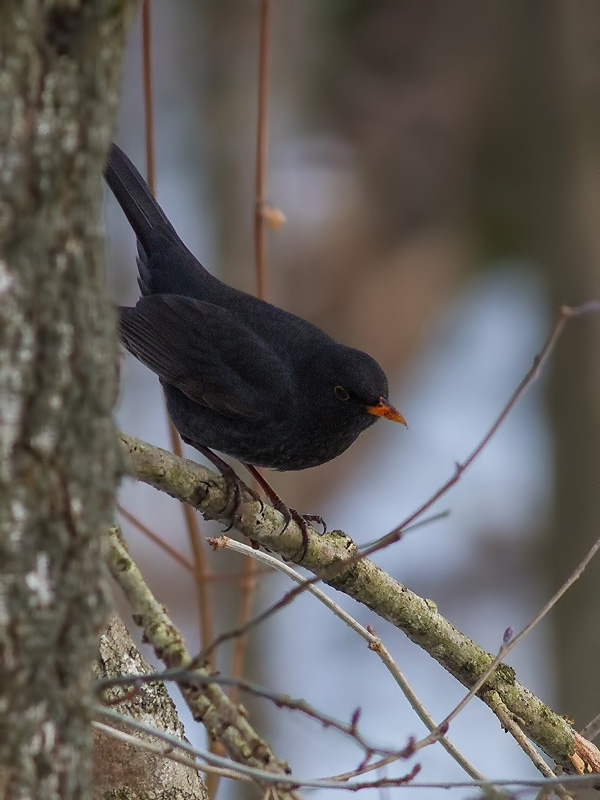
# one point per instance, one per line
(240, 375)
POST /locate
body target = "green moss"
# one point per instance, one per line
(506, 674)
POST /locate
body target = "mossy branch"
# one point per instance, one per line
(333, 556)
(224, 721)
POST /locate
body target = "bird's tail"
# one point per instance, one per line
(145, 216)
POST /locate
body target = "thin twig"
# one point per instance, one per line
(565, 314)
(242, 770)
(195, 678)
(369, 636)
(237, 577)
(259, 775)
(421, 523)
(375, 644)
(224, 721)
(592, 729)
(167, 752)
(201, 567)
(379, 648)
(509, 724)
(248, 585)
(349, 729)
(290, 782)
(249, 582)
(509, 645)
(155, 538)
(261, 148)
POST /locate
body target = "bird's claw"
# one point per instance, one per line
(301, 520)
(235, 487)
(318, 519)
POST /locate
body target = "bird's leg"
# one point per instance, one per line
(233, 483)
(288, 513)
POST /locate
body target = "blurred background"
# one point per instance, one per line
(439, 167)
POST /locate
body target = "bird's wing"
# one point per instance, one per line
(206, 352)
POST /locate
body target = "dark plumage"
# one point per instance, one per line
(240, 375)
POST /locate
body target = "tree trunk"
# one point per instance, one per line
(59, 73)
(122, 769)
(573, 252)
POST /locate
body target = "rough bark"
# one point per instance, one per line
(120, 766)
(59, 71)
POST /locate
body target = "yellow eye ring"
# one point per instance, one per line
(341, 393)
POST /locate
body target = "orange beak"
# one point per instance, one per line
(385, 409)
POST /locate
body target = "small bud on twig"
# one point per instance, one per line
(274, 217)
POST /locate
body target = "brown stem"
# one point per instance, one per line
(201, 567)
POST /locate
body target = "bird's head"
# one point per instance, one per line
(353, 383)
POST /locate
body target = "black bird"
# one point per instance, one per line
(240, 376)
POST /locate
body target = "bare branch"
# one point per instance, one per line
(510, 644)
(335, 553)
(376, 645)
(222, 719)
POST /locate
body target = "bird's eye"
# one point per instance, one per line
(341, 393)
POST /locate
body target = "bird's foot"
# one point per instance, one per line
(318, 519)
(234, 485)
(301, 520)
(288, 514)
